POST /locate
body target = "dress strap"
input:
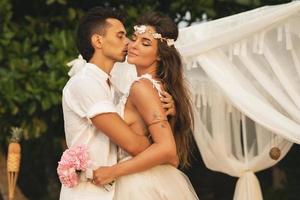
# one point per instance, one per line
(154, 82)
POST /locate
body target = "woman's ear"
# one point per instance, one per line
(158, 58)
(97, 41)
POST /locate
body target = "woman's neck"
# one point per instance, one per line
(148, 70)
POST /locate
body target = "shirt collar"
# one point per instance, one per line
(98, 71)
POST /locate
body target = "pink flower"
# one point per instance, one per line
(72, 162)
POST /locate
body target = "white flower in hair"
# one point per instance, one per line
(140, 29)
(170, 42)
(157, 36)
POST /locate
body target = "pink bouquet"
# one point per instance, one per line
(73, 161)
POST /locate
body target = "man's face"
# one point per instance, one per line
(114, 43)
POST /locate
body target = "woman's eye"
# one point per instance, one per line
(146, 44)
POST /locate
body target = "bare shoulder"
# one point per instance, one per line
(143, 90)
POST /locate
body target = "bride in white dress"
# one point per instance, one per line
(153, 174)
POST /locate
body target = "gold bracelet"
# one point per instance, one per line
(156, 122)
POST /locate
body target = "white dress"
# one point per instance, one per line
(162, 182)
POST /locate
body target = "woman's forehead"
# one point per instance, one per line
(147, 34)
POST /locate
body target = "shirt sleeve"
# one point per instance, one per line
(87, 98)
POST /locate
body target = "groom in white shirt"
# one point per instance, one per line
(89, 110)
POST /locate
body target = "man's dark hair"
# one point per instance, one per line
(94, 22)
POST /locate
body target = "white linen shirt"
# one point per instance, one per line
(86, 95)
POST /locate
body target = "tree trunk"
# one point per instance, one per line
(3, 182)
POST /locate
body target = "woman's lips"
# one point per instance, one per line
(130, 53)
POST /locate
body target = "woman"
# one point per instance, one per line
(152, 175)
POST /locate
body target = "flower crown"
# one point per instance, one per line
(140, 29)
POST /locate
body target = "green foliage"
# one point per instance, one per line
(33, 54)
(34, 50)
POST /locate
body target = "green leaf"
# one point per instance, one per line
(14, 110)
(71, 13)
(46, 104)
(49, 2)
(32, 108)
(62, 2)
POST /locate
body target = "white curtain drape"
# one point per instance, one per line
(230, 142)
(244, 73)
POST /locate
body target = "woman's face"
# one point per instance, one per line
(142, 50)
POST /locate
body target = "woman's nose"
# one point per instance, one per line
(132, 44)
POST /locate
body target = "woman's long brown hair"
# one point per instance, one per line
(170, 71)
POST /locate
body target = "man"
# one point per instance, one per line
(88, 100)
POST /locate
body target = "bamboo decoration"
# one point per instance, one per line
(13, 161)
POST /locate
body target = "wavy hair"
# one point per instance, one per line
(170, 72)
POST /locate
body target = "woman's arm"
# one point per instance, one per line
(112, 125)
(162, 151)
